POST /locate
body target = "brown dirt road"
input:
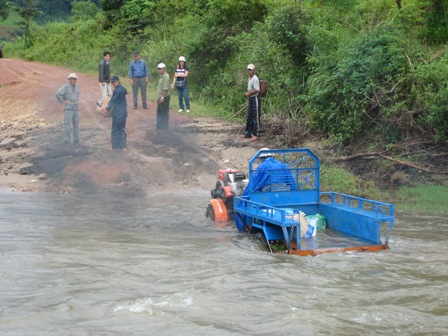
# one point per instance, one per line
(185, 157)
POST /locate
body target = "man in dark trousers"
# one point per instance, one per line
(252, 121)
(138, 73)
(119, 114)
(104, 78)
(163, 98)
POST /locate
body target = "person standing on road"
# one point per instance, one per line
(1, 51)
(138, 73)
(68, 95)
(180, 83)
(119, 114)
(104, 78)
(252, 118)
(163, 95)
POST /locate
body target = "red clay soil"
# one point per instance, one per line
(33, 157)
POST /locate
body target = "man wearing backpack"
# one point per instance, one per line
(252, 93)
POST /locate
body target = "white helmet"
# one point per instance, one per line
(264, 155)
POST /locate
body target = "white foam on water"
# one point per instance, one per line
(159, 306)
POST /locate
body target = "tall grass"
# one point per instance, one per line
(424, 199)
(430, 199)
(340, 180)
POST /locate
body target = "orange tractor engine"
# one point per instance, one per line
(231, 183)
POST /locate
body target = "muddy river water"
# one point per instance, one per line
(89, 265)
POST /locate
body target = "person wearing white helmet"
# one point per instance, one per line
(163, 98)
(270, 172)
(263, 155)
(180, 84)
(68, 95)
(252, 117)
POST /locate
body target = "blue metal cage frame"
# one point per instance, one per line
(270, 208)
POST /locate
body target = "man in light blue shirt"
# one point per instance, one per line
(138, 73)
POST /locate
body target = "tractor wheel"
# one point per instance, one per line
(210, 212)
(217, 193)
(259, 236)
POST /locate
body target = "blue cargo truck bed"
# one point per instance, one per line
(274, 197)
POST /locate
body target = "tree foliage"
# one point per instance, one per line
(288, 27)
(50, 9)
(28, 11)
(83, 10)
(223, 20)
(353, 91)
(111, 9)
(435, 13)
(4, 9)
(54, 9)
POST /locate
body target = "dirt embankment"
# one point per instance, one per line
(33, 157)
(186, 157)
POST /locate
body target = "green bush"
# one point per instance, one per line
(287, 27)
(351, 92)
(430, 91)
(435, 14)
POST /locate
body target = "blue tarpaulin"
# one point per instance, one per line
(271, 173)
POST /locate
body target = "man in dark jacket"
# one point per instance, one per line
(119, 114)
(104, 78)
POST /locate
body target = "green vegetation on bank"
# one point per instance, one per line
(417, 199)
(349, 71)
(340, 180)
(423, 199)
(341, 68)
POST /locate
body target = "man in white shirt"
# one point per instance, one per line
(253, 89)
